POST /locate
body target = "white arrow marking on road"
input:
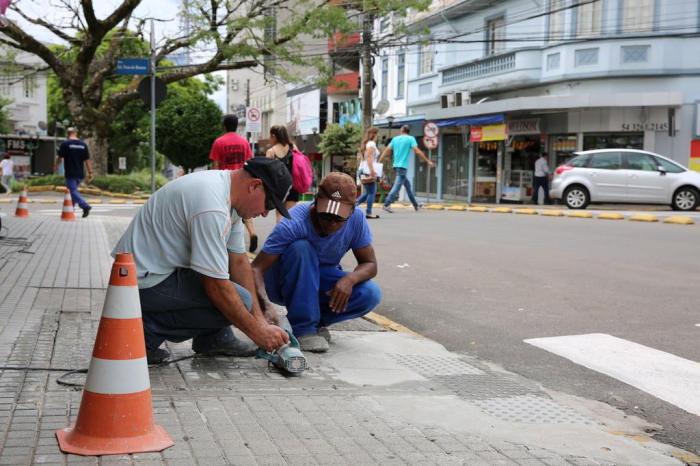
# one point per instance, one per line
(664, 375)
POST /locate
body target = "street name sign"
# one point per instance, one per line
(133, 66)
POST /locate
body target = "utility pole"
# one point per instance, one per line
(247, 104)
(367, 26)
(153, 108)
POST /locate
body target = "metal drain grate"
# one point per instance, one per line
(430, 366)
(530, 409)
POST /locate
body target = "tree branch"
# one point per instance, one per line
(27, 43)
(53, 29)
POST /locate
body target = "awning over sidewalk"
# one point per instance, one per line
(473, 121)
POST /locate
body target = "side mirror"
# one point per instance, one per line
(661, 170)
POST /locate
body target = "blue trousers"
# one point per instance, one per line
(401, 180)
(370, 190)
(298, 282)
(72, 185)
(178, 309)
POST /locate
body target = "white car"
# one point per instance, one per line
(625, 176)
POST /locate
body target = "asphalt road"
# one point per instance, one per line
(483, 283)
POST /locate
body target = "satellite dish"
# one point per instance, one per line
(42, 125)
(382, 107)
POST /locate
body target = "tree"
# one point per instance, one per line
(340, 140)
(5, 116)
(187, 127)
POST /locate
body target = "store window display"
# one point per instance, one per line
(486, 170)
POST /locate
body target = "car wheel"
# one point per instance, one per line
(576, 197)
(686, 198)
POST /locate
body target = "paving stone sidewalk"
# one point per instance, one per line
(53, 277)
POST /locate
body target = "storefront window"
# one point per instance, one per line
(454, 166)
(518, 167)
(613, 141)
(425, 185)
(562, 148)
(486, 163)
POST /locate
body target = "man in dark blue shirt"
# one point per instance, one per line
(75, 154)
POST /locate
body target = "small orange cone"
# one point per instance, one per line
(68, 212)
(116, 414)
(22, 205)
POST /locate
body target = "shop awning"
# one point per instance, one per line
(400, 121)
(473, 121)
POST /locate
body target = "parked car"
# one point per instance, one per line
(625, 176)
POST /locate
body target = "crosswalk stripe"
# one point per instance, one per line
(664, 375)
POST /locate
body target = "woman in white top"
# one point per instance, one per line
(6, 170)
(368, 177)
(282, 150)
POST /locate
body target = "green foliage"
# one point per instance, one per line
(127, 184)
(187, 127)
(57, 180)
(340, 140)
(5, 116)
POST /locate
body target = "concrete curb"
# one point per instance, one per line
(611, 216)
(434, 207)
(679, 220)
(502, 210)
(477, 209)
(526, 211)
(644, 218)
(389, 324)
(552, 213)
(580, 215)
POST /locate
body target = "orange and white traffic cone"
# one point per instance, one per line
(116, 413)
(22, 205)
(68, 213)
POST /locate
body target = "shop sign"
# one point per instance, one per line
(488, 133)
(646, 126)
(525, 126)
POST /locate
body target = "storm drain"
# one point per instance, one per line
(430, 366)
(531, 409)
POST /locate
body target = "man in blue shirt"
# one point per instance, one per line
(299, 265)
(75, 153)
(402, 147)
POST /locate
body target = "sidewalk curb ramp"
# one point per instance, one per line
(116, 411)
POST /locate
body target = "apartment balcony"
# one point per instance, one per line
(344, 83)
(341, 42)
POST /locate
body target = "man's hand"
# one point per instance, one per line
(431, 163)
(271, 311)
(270, 337)
(340, 295)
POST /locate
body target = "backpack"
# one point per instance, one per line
(302, 172)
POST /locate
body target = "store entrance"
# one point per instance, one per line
(425, 179)
(519, 167)
(455, 159)
(486, 172)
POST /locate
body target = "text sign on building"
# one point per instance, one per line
(525, 126)
(488, 133)
(133, 66)
(253, 120)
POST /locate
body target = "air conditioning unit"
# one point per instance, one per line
(447, 100)
(462, 98)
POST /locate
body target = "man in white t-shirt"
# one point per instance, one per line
(6, 173)
(195, 279)
(541, 178)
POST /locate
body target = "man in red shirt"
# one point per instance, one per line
(229, 152)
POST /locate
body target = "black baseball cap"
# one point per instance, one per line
(275, 177)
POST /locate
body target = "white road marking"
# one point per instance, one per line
(664, 375)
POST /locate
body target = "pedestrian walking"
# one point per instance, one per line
(368, 175)
(195, 279)
(541, 179)
(282, 150)
(229, 152)
(299, 265)
(75, 155)
(7, 173)
(402, 147)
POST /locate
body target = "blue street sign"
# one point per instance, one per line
(133, 66)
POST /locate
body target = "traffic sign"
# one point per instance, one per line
(133, 66)
(431, 130)
(430, 143)
(253, 120)
(145, 90)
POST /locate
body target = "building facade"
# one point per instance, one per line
(24, 84)
(505, 81)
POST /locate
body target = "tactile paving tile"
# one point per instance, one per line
(531, 409)
(482, 386)
(431, 366)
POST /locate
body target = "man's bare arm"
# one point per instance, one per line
(422, 155)
(365, 270)
(385, 153)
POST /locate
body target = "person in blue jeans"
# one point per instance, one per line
(75, 154)
(368, 178)
(299, 265)
(402, 147)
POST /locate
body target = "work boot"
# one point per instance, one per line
(86, 211)
(223, 343)
(157, 355)
(314, 343)
(325, 333)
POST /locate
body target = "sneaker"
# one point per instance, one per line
(86, 211)
(233, 347)
(417, 207)
(314, 343)
(157, 355)
(386, 208)
(325, 333)
(253, 243)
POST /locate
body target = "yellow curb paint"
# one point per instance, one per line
(94, 201)
(502, 210)
(399, 206)
(47, 201)
(526, 211)
(686, 457)
(580, 215)
(140, 201)
(6, 201)
(611, 216)
(679, 220)
(477, 209)
(457, 208)
(117, 201)
(644, 218)
(388, 324)
(552, 213)
(434, 207)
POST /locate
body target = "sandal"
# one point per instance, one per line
(371, 216)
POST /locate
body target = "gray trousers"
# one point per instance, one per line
(178, 309)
